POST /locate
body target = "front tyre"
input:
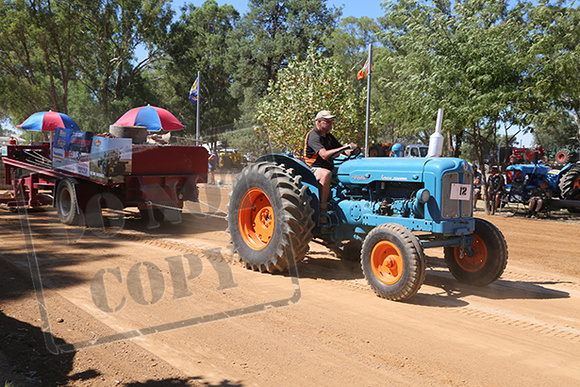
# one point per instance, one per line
(484, 261)
(393, 262)
(270, 217)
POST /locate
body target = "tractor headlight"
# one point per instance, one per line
(423, 195)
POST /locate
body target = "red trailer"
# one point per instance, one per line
(161, 178)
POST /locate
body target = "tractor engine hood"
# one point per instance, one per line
(398, 169)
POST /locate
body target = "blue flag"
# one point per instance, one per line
(194, 92)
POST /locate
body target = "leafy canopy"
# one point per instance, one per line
(304, 88)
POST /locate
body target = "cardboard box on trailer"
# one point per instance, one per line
(70, 157)
(111, 159)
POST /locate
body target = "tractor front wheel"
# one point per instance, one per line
(484, 261)
(270, 218)
(393, 262)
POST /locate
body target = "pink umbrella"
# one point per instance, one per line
(154, 118)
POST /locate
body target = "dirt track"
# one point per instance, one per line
(231, 326)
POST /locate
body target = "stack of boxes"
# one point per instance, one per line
(99, 158)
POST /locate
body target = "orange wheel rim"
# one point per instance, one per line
(577, 183)
(256, 219)
(477, 260)
(387, 262)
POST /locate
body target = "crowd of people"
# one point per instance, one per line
(539, 199)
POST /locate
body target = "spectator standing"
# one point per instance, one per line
(496, 186)
(477, 181)
(212, 165)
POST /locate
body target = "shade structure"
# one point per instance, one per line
(48, 122)
(152, 117)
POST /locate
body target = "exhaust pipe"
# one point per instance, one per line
(436, 139)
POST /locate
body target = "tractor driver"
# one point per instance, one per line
(320, 147)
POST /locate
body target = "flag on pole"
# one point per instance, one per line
(193, 92)
(365, 70)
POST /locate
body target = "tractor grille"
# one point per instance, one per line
(451, 209)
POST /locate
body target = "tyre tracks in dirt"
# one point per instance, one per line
(524, 327)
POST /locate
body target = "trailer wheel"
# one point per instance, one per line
(487, 259)
(270, 218)
(570, 181)
(393, 262)
(66, 202)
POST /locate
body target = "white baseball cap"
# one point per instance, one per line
(324, 115)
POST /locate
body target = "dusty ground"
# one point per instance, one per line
(158, 307)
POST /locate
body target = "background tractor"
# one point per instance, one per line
(382, 211)
(230, 159)
(522, 179)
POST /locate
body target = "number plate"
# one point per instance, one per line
(460, 191)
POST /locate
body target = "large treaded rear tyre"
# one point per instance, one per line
(486, 262)
(270, 217)
(570, 181)
(563, 156)
(393, 262)
(66, 202)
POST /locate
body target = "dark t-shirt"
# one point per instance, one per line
(313, 143)
(496, 182)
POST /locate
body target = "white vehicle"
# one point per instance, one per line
(416, 150)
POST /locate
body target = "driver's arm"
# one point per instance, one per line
(328, 153)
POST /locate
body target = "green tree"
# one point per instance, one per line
(468, 57)
(37, 46)
(555, 61)
(350, 40)
(198, 43)
(557, 133)
(113, 30)
(47, 47)
(268, 36)
(305, 87)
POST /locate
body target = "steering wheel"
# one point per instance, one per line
(355, 152)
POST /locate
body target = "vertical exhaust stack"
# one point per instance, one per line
(436, 139)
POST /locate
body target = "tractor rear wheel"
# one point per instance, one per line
(393, 262)
(563, 156)
(270, 218)
(570, 181)
(66, 202)
(376, 151)
(485, 261)
(574, 194)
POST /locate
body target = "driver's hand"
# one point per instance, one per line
(352, 145)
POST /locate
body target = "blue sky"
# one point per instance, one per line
(357, 8)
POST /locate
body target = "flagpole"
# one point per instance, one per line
(368, 100)
(198, 107)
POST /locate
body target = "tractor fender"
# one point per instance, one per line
(300, 168)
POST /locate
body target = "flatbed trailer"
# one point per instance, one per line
(161, 179)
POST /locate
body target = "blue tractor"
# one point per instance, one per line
(522, 179)
(383, 211)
